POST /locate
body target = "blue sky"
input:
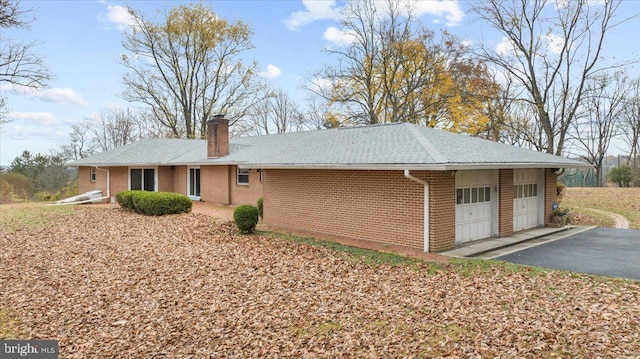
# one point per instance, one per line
(81, 41)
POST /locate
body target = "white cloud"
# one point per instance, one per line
(505, 47)
(33, 118)
(339, 37)
(554, 43)
(117, 15)
(21, 133)
(450, 9)
(272, 72)
(56, 95)
(62, 95)
(321, 83)
(550, 44)
(314, 10)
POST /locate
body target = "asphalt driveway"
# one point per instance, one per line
(603, 251)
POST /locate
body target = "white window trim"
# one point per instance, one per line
(189, 168)
(238, 169)
(155, 176)
(92, 173)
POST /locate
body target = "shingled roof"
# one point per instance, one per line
(387, 146)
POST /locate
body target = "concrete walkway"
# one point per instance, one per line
(496, 247)
(621, 221)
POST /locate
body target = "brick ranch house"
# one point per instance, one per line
(395, 183)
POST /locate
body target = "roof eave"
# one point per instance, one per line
(413, 166)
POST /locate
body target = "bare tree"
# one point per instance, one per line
(82, 144)
(630, 117)
(18, 65)
(550, 50)
(115, 128)
(597, 120)
(278, 113)
(187, 68)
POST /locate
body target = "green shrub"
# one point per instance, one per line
(125, 199)
(622, 176)
(260, 206)
(161, 203)
(246, 218)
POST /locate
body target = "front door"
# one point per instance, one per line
(194, 183)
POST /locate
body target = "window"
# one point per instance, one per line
(243, 176)
(142, 179)
(525, 190)
(261, 175)
(473, 195)
(92, 174)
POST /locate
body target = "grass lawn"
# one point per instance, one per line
(623, 201)
(108, 283)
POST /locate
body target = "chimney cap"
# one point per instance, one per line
(216, 118)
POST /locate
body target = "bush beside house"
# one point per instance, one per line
(246, 218)
(154, 203)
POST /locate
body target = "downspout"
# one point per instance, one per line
(108, 182)
(408, 175)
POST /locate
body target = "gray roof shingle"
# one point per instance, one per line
(388, 146)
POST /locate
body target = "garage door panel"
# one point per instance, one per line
(526, 193)
(473, 205)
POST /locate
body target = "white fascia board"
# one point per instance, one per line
(493, 166)
(413, 167)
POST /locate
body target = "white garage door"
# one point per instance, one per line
(527, 194)
(474, 208)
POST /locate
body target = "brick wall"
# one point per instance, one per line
(119, 179)
(550, 193)
(245, 194)
(85, 184)
(505, 200)
(217, 183)
(381, 206)
(165, 179)
(214, 185)
(442, 214)
(180, 180)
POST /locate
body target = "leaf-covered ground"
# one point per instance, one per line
(623, 201)
(107, 283)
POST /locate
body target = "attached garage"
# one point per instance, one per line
(528, 198)
(476, 205)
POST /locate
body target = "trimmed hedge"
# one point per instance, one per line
(246, 218)
(125, 199)
(154, 203)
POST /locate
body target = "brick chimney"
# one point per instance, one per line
(217, 136)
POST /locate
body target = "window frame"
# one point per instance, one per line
(92, 173)
(155, 177)
(244, 172)
(190, 181)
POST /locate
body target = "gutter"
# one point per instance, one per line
(407, 174)
(108, 183)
